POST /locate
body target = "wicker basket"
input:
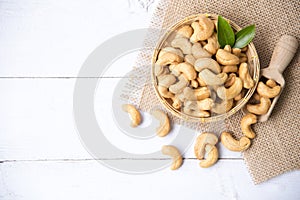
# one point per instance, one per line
(253, 63)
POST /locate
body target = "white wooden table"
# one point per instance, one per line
(42, 47)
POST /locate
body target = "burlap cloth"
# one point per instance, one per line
(276, 149)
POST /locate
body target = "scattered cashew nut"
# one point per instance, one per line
(271, 83)
(235, 145)
(201, 141)
(175, 154)
(266, 91)
(164, 122)
(246, 122)
(212, 156)
(134, 114)
(261, 108)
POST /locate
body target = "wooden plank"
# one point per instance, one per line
(53, 38)
(37, 121)
(90, 180)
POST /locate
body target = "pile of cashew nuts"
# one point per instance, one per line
(199, 78)
(196, 76)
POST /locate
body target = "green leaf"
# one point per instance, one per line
(244, 36)
(225, 33)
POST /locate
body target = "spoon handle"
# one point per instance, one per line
(283, 53)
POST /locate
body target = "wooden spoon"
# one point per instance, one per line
(282, 55)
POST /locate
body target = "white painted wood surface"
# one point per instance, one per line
(42, 47)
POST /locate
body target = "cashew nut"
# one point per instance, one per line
(203, 140)
(243, 57)
(170, 50)
(173, 152)
(266, 91)
(183, 44)
(212, 44)
(199, 52)
(207, 63)
(245, 76)
(196, 113)
(166, 80)
(204, 104)
(196, 94)
(222, 107)
(180, 85)
(227, 48)
(201, 82)
(229, 68)
(230, 80)
(174, 69)
(202, 29)
(271, 83)
(187, 70)
(232, 91)
(176, 102)
(164, 123)
(226, 58)
(168, 58)
(185, 31)
(256, 97)
(194, 83)
(212, 156)
(235, 145)
(164, 92)
(203, 43)
(236, 51)
(246, 122)
(160, 70)
(190, 59)
(181, 97)
(244, 49)
(240, 96)
(212, 79)
(261, 108)
(134, 114)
